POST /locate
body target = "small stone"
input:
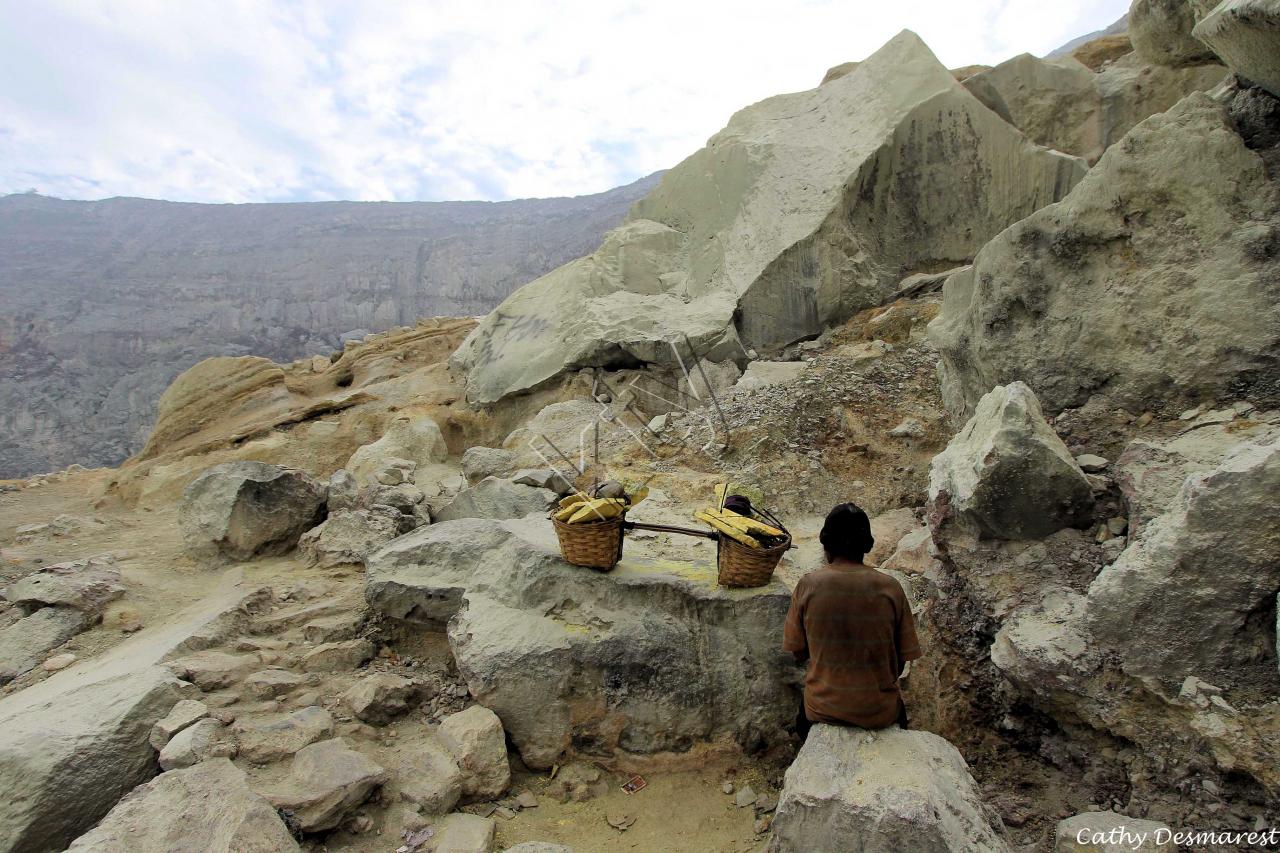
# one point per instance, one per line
(1091, 463)
(527, 800)
(1221, 704)
(727, 787)
(505, 813)
(270, 683)
(186, 713)
(58, 662)
(761, 826)
(909, 428)
(334, 657)
(766, 802)
(191, 745)
(745, 797)
(620, 821)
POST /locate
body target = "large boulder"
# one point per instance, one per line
(1055, 102)
(881, 792)
(1161, 32)
(1062, 104)
(85, 585)
(805, 209)
(242, 510)
(651, 657)
(1246, 35)
(495, 498)
(416, 440)
(1007, 475)
(1198, 575)
(1150, 284)
(68, 755)
(208, 807)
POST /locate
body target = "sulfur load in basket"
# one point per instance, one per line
(751, 542)
(590, 528)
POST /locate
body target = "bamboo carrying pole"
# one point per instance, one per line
(668, 528)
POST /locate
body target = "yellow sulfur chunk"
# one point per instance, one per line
(727, 529)
(746, 524)
(596, 509)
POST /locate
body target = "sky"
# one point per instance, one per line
(423, 100)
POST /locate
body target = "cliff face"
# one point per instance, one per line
(103, 303)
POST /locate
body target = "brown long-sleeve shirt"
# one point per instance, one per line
(856, 627)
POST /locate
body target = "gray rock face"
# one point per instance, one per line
(327, 780)
(1149, 284)
(67, 758)
(881, 792)
(494, 498)
(24, 644)
(208, 807)
(242, 510)
(84, 585)
(757, 239)
(639, 660)
(1161, 32)
(1007, 475)
(350, 537)
(105, 302)
(1197, 573)
(1246, 35)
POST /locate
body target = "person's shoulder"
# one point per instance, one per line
(814, 578)
(889, 583)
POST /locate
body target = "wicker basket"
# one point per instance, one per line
(594, 544)
(741, 566)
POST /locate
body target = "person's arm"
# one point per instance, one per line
(794, 639)
(906, 640)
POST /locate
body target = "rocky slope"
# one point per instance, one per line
(105, 302)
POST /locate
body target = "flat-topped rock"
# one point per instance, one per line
(650, 657)
(881, 792)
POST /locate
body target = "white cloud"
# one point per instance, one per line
(247, 100)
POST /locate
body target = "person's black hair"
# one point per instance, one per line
(846, 533)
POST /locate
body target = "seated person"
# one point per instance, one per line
(853, 626)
